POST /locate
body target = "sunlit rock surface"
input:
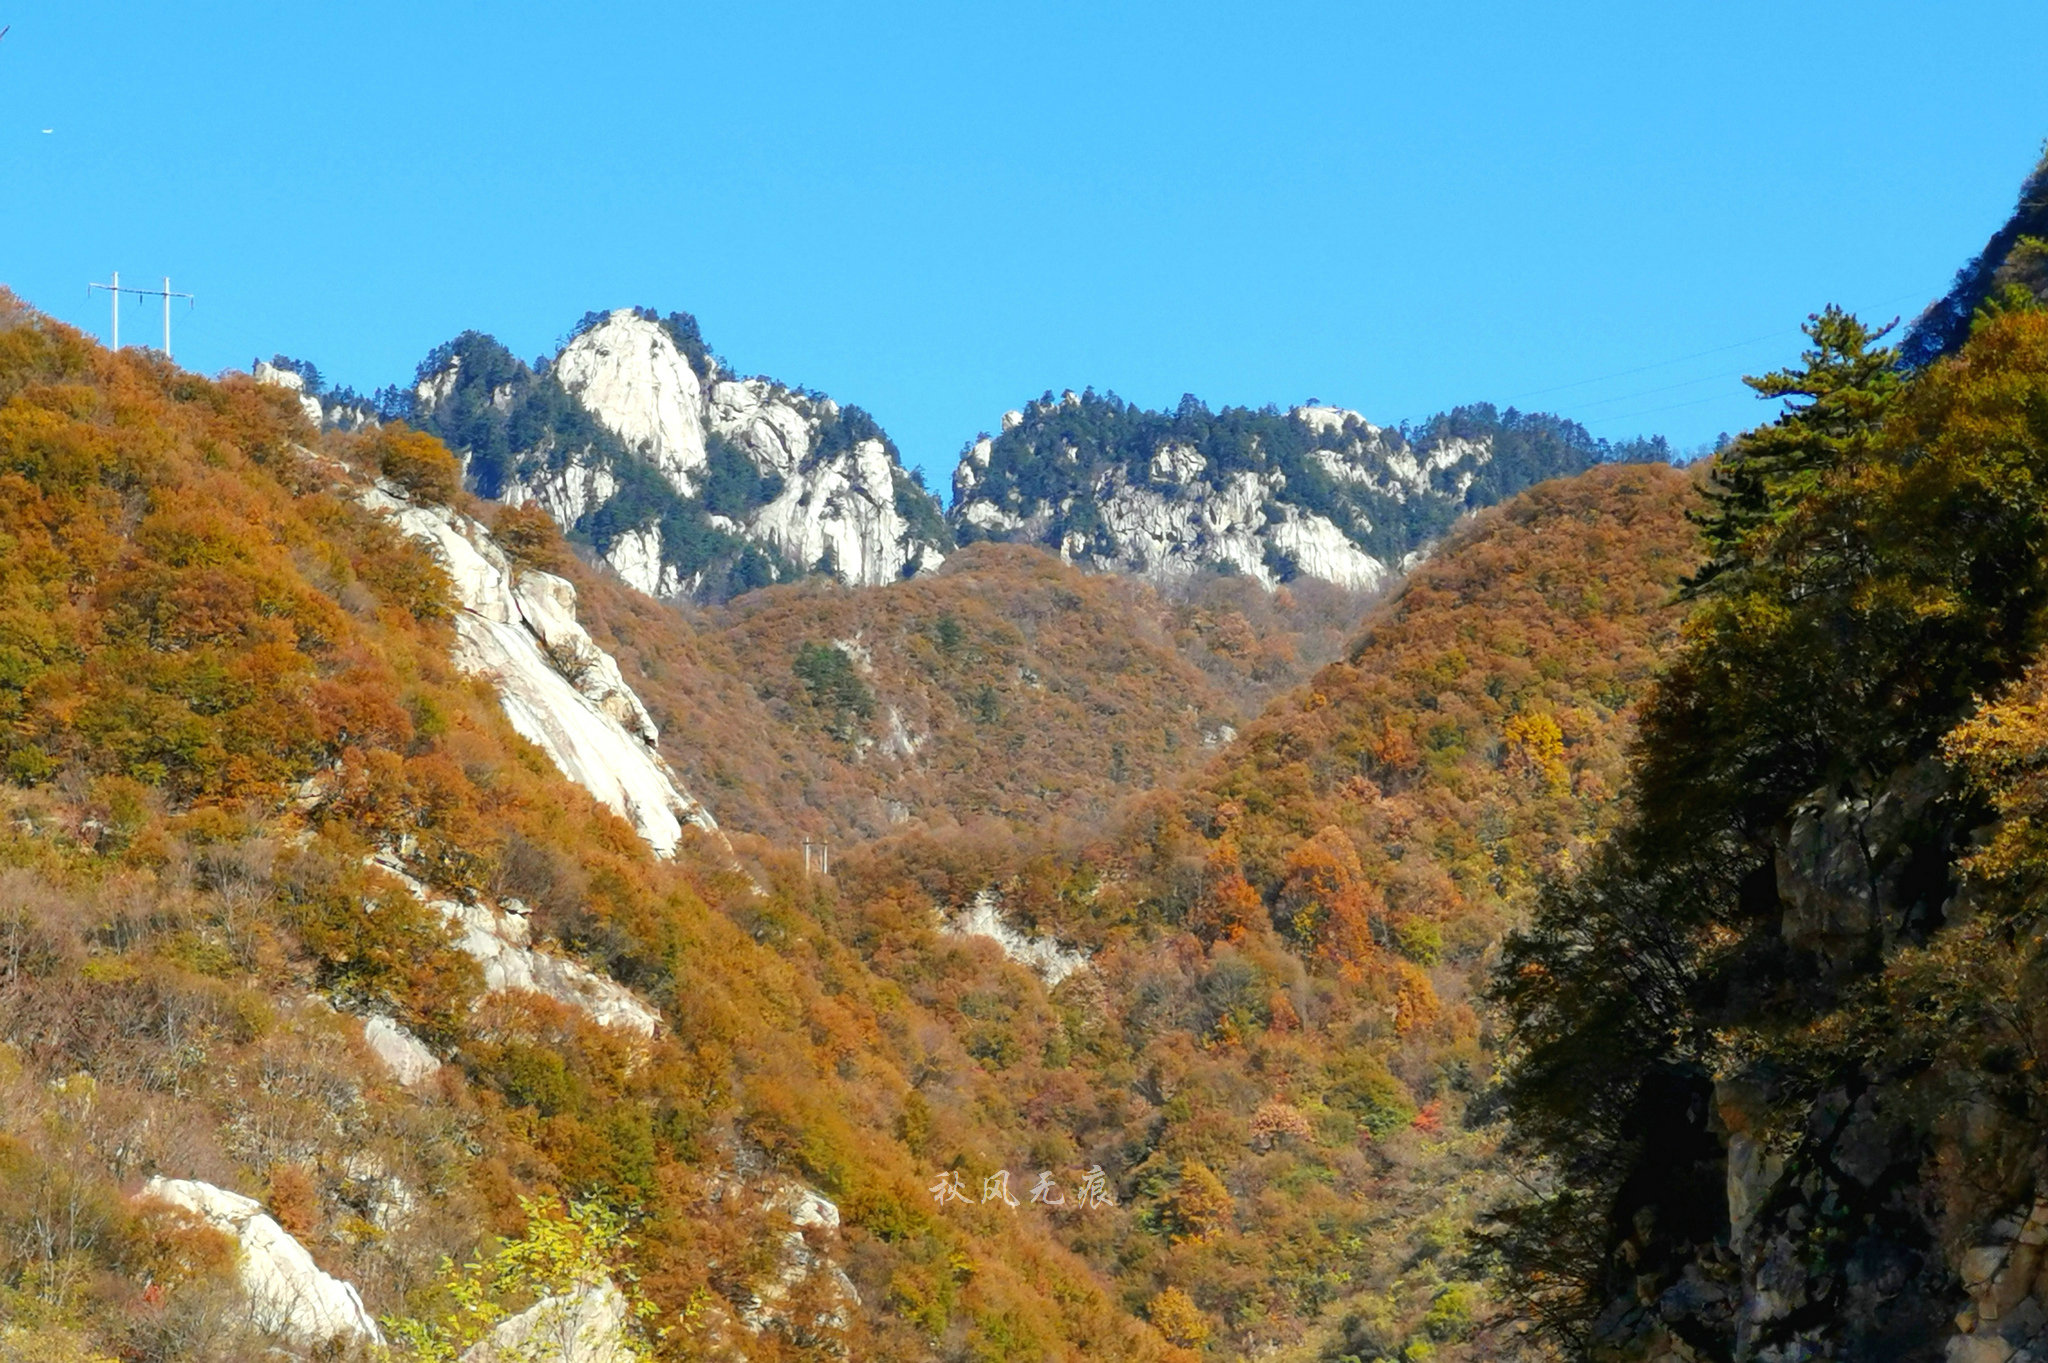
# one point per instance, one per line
(498, 939)
(1171, 514)
(1043, 956)
(584, 1326)
(404, 1055)
(834, 495)
(631, 376)
(560, 690)
(288, 1293)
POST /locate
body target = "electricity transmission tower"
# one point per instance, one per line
(114, 291)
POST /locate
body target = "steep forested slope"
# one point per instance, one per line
(1276, 1051)
(1779, 1040)
(2015, 259)
(1005, 685)
(225, 686)
(288, 908)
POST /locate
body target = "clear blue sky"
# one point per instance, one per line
(939, 210)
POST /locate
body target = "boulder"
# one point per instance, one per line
(402, 1053)
(584, 1326)
(288, 1293)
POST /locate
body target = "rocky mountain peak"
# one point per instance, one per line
(628, 372)
(1312, 492)
(691, 480)
(687, 480)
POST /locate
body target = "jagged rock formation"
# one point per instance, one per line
(1317, 492)
(686, 479)
(559, 689)
(266, 372)
(344, 410)
(1828, 1242)
(288, 1293)
(689, 480)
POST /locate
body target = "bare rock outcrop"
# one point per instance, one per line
(584, 1326)
(288, 1294)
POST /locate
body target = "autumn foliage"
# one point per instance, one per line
(224, 685)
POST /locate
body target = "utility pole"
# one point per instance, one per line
(115, 290)
(168, 296)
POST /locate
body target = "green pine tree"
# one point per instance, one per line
(1832, 404)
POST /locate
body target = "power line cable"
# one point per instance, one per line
(1646, 368)
(1682, 359)
(1719, 376)
(1667, 407)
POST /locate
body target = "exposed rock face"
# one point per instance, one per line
(1834, 1243)
(499, 940)
(630, 375)
(736, 463)
(343, 412)
(400, 1052)
(1319, 492)
(266, 372)
(839, 509)
(805, 1270)
(559, 689)
(2007, 1281)
(1845, 868)
(586, 1326)
(1043, 956)
(288, 1293)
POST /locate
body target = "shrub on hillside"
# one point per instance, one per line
(418, 463)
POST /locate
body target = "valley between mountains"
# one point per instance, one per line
(591, 860)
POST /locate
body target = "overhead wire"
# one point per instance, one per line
(1673, 387)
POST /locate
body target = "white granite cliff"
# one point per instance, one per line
(560, 690)
(1178, 516)
(287, 1293)
(837, 506)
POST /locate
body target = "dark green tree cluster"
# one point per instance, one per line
(835, 688)
(1061, 447)
(1833, 405)
(1874, 574)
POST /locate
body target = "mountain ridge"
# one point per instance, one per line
(692, 481)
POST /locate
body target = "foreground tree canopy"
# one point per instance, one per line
(1749, 1027)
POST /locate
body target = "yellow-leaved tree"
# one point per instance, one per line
(564, 1283)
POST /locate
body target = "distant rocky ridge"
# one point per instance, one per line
(691, 481)
(1316, 492)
